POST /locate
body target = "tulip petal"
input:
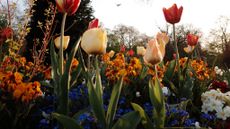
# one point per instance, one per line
(59, 4)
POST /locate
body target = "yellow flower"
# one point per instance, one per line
(65, 43)
(155, 50)
(94, 41)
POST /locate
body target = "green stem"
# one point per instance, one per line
(177, 54)
(61, 63)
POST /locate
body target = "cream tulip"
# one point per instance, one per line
(65, 43)
(141, 50)
(94, 41)
(155, 50)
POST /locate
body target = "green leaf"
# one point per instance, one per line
(157, 100)
(128, 121)
(144, 72)
(171, 86)
(113, 102)
(98, 82)
(66, 121)
(71, 56)
(54, 63)
(170, 70)
(186, 89)
(77, 115)
(74, 75)
(95, 103)
(156, 94)
(159, 117)
(145, 120)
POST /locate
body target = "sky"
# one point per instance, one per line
(147, 15)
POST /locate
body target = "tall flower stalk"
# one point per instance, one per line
(173, 16)
(61, 62)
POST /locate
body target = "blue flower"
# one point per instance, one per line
(174, 122)
(122, 100)
(182, 113)
(208, 116)
(189, 122)
(44, 123)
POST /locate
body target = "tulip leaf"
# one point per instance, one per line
(74, 75)
(186, 89)
(170, 70)
(95, 103)
(77, 115)
(144, 72)
(128, 121)
(67, 122)
(113, 102)
(71, 56)
(54, 62)
(98, 82)
(145, 120)
(172, 87)
(157, 100)
(156, 93)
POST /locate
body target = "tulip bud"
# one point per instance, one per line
(141, 50)
(189, 49)
(111, 53)
(155, 50)
(65, 43)
(192, 40)
(93, 24)
(94, 41)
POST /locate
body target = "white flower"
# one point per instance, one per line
(138, 94)
(166, 91)
(227, 111)
(197, 124)
(221, 115)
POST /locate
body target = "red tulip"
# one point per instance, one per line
(173, 14)
(122, 48)
(192, 39)
(68, 6)
(131, 52)
(93, 24)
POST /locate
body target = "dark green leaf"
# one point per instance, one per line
(128, 121)
(170, 70)
(145, 120)
(113, 102)
(66, 121)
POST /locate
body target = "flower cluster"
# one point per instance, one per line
(201, 70)
(14, 74)
(214, 101)
(119, 67)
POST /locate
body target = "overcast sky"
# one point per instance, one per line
(148, 16)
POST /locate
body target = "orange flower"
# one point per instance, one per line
(173, 14)
(192, 39)
(68, 6)
(18, 77)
